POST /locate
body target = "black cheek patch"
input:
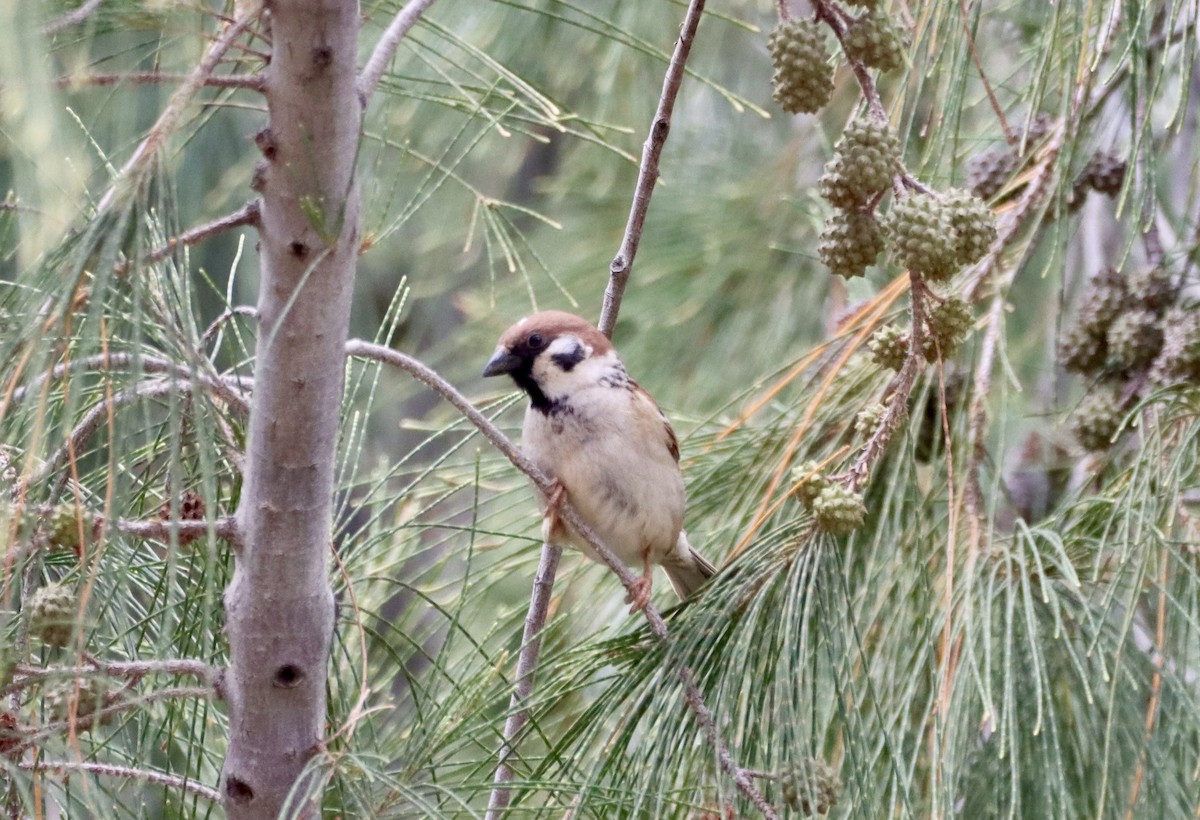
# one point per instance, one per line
(567, 359)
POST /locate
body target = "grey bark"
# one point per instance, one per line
(279, 605)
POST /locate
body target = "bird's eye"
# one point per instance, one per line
(536, 340)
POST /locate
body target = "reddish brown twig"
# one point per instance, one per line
(622, 264)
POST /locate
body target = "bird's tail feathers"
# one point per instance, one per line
(686, 569)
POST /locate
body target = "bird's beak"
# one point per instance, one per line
(502, 361)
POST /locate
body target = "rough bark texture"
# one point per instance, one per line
(279, 606)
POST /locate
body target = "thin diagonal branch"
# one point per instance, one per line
(622, 265)
(531, 644)
(248, 214)
(97, 416)
(226, 315)
(113, 770)
(568, 513)
(110, 710)
(169, 119)
(385, 49)
(120, 361)
(72, 18)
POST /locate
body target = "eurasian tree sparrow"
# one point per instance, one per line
(600, 436)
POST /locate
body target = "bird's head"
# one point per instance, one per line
(552, 354)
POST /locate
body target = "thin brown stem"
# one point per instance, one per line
(898, 391)
(248, 214)
(72, 18)
(101, 362)
(99, 414)
(81, 723)
(1156, 678)
(622, 265)
(129, 177)
(987, 86)
(226, 315)
(829, 14)
(571, 516)
(518, 710)
(223, 528)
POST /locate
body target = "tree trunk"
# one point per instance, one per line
(279, 606)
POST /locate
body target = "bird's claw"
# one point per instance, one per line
(639, 595)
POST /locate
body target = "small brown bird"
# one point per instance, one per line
(601, 437)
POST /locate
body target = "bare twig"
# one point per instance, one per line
(123, 361)
(113, 770)
(83, 722)
(97, 416)
(622, 265)
(72, 18)
(385, 49)
(987, 86)
(253, 82)
(167, 121)
(861, 73)
(568, 513)
(245, 215)
(1156, 679)
(223, 528)
(26, 677)
(226, 315)
(518, 711)
(899, 389)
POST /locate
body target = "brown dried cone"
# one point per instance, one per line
(988, 172)
(803, 80)
(1106, 297)
(1134, 339)
(1152, 288)
(12, 736)
(1179, 359)
(889, 346)
(1104, 173)
(1034, 133)
(873, 40)
(922, 237)
(850, 243)
(808, 481)
(838, 510)
(810, 786)
(1082, 349)
(1097, 418)
(191, 508)
(52, 611)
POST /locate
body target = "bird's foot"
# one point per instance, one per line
(552, 527)
(639, 595)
